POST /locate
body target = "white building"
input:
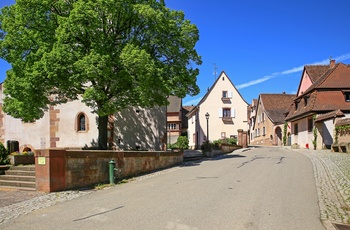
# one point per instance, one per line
(73, 125)
(227, 113)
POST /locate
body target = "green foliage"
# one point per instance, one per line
(285, 127)
(314, 141)
(216, 144)
(182, 142)
(112, 54)
(340, 129)
(206, 147)
(4, 160)
(230, 141)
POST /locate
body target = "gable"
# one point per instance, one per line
(223, 84)
(305, 83)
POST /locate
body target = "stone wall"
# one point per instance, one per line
(60, 169)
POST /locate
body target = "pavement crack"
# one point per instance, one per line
(97, 214)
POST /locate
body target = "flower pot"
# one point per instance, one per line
(22, 159)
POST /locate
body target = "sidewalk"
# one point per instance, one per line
(332, 176)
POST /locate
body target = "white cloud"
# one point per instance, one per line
(194, 101)
(292, 70)
(254, 82)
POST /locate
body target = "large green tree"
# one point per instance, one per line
(112, 54)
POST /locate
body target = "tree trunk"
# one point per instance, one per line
(102, 132)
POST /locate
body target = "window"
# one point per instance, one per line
(310, 124)
(223, 135)
(347, 96)
(81, 122)
(305, 101)
(264, 131)
(295, 129)
(224, 94)
(226, 112)
(172, 126)
(263, 117)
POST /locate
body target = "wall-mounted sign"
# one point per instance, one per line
(41, 161)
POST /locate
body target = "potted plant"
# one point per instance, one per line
(24, 158)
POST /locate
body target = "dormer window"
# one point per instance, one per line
(347, 96)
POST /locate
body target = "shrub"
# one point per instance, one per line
(206, 147)
(4, 160)
(182, 142)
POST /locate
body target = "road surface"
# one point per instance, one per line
(263, 188)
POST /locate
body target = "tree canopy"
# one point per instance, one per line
(111, 53)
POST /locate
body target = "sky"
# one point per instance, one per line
(261, 45)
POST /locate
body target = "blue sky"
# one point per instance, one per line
(262, 45)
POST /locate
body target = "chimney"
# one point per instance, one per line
(331, 63)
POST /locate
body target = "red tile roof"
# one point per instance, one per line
(276, 105)
(325, 94)
(315, 71)
(332, 114)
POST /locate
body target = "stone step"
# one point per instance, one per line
(18, 188)
(23, 168)
(18, 184)
(17, 178)
(19, 173)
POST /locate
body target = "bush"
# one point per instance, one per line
(4, 160)
(206, 147)
(182, 142)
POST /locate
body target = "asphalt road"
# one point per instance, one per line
(263, 188)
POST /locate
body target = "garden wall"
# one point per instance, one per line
(60, 169)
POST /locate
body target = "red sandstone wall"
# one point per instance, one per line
(68, 169)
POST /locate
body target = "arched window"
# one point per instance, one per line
(81, 122)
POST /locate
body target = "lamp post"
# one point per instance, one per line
(207, 117)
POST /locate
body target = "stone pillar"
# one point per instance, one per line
(50, 170)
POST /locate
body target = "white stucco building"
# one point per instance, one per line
(227, 113)
(73, 125)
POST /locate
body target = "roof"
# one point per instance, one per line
(325, 94)
(175, 104)
(344, 121)
(329, 115)
(276, 105)
(315, 71)
(187, 108)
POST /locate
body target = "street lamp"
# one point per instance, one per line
(207, 117)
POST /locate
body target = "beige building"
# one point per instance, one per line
(227, 112)
(268, 124)
(73, 125)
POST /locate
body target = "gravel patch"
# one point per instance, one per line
(15, 210)
(332, 176)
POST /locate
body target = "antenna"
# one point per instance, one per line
(215, 68)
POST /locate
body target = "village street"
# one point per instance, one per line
(260, 188)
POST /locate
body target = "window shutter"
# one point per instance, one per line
(233, 112)
(229, 94)
(220, 112)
